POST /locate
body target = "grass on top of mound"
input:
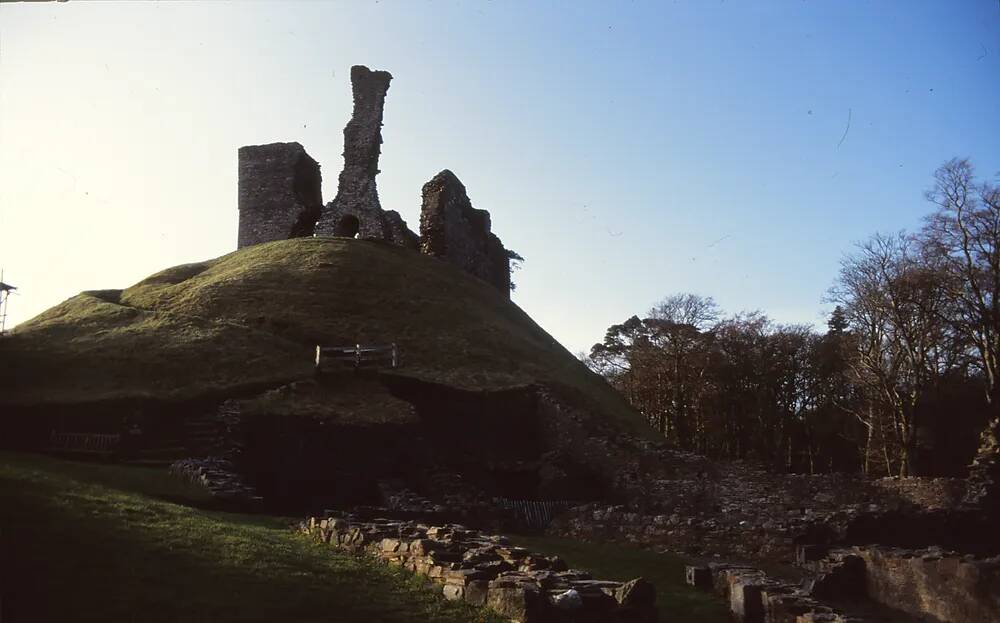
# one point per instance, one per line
(254, 316)
(91, 542)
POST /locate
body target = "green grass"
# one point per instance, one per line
(253, 318)
(676, 601)
(92, 542)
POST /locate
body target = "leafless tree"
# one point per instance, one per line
(895, 301)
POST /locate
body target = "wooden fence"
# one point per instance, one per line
(358, 356)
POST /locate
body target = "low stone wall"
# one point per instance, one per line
(487, 571)
(930, 583)
(925, 493)
(219, 476)
(756, 598)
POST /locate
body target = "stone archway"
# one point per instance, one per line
(348, 226)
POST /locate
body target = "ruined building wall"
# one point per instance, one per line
(451, 229)
(280, 197)
(280, 194)
(983, 485)
(356, 209)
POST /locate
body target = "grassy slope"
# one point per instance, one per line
(253, 316)
(87, 542)
(676, 600)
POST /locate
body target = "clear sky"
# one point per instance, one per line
(627, 150)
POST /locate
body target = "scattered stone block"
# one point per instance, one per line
(698, 577)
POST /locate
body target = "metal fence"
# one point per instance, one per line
(96, 443)
(534, 513)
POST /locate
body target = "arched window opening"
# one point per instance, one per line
(347, 226)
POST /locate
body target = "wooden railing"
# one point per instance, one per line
(358, 356)
(91, 443)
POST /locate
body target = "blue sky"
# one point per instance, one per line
(627, 150)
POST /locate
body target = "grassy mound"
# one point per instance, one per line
(86, 542)
(253, 317)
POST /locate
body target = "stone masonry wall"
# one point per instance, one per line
(983, 488)
(925, 493)
(930, 583)
(486, 570)
(280, 194)
(356, 209)
(451, 229)
(280, 198)
(754, 597)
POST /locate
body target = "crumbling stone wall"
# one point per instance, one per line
(486, 570)
(755, 597)
(983, 488)
(450, 228)
(280, 194)
(356, 210)
(930, 583)
(925, 493)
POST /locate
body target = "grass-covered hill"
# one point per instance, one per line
(252, 319)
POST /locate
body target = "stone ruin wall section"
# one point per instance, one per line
(356, 209)
(451, 229)
(279, 194)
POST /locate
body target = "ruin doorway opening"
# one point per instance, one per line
(348, 226)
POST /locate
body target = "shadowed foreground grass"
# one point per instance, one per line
(676, 601)
(90, 542)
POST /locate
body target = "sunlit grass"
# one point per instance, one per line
(89, 542)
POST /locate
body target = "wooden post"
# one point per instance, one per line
(395, 356)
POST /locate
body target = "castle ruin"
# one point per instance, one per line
(280, 196)
(450, 228)
(279, 193)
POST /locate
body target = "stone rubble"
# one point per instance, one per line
(754, 597)
(737, 509)
(486, 570)
(219, 476)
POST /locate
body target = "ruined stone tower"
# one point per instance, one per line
(356, 210)
(450, 228)
(280, 193)
(279, 196)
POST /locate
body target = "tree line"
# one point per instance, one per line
(901, 382)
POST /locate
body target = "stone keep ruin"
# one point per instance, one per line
(280, 196)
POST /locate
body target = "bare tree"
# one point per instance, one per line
(963, 236)
(895, 301)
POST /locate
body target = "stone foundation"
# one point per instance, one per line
(930, 583)
(486, 570)
(756, 598)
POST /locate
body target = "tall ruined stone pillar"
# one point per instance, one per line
(280, 194)
(451, 229)
(356, 211)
